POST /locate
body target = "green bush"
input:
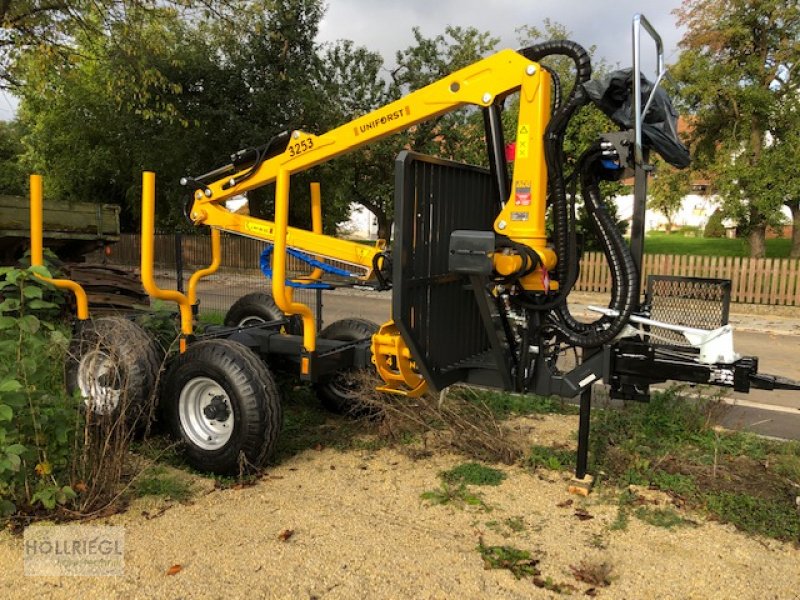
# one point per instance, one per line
(714, 228)
(37, 420)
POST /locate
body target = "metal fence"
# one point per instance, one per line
(774, 281)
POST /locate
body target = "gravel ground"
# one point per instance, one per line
(362, 531)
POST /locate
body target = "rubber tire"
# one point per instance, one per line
(133, 351)
(262, 306)
(331, 389)
(258, 304)
(254, 399)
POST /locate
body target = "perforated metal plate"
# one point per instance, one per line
(688, 301)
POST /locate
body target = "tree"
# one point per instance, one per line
(213, 90)
(12, 175)
(354, 85)
(736, 74)
(668, 188)
(50, 27)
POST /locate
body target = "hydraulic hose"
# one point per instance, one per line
(623, 270)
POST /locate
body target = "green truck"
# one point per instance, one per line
(78, 233)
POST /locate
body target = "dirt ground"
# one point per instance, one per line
(361, 530)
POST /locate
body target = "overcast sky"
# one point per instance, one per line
(386, 26)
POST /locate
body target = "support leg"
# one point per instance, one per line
(582, 483)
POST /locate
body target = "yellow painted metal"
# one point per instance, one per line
(316, 221)
(37, 251)
(392, 359)
(523, 217)
(282, 293)
(148, 275)
(216, 260)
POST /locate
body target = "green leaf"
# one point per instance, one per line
(65, 494)
(10, 385)
(29, 324)
(16, 449)
(7, 322)
(13, 276)
(6, 414)
(40, 304)
(40, 270)
(9, 304)
(32, 291)
(47, 497)
(7, 508)
(15, 461)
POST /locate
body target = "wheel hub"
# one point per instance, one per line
(205, 413)
(99, 381)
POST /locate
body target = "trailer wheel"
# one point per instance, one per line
(339, 392)
(113, 364)
(258, 307)
(220, 399)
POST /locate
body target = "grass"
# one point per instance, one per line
(555, 459)
(504, 405)
(163, 483)
(473, 474)
(670, 444)
(661, 517)
(677, 243)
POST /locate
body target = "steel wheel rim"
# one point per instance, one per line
(250, 320)
(202, 431)
(95, 369)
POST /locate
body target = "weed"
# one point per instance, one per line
(504, 405)
(598, 541)
(625, 500)
(458, 496)
(596, 574)
(515, 524)
(670, 444)
(756, 515)
(555, 459)
(519, 562)
(661, 517)
(158, 481)
(473, 474)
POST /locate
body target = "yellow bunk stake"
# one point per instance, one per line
(37, 251)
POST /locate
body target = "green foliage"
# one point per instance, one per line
(663, 243)
(555, 459)
(504, 405)
(473, 474)
(755, 515)
(668, 188)
(670, 444)
(12, 175)
(714, 227)
(161, 482)
(519, 562)
(734, 77)
(37, 421)
(458, 496)
(661, 517)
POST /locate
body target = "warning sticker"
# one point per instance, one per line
(523, 141)
(522, 196)
(519, 216)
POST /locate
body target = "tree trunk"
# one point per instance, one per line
(384, 226)
(795, 251)
(757, 237)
